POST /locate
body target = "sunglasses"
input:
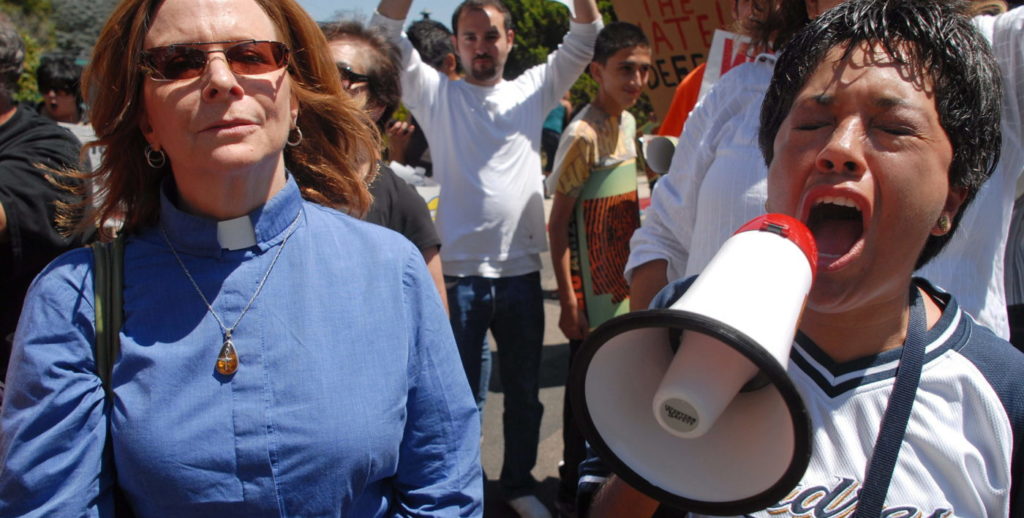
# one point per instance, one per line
(59, 90)
(187, 61)
(350, 77)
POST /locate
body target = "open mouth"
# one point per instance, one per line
(837, 225)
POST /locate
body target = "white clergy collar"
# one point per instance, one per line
(236, 234)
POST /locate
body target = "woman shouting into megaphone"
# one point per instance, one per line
(879, 127)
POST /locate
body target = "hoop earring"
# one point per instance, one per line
(944, 223)
(156, 158)
(298, 137)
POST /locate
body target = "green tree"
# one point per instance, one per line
(78, 24)
(34, 20)
(540, 26)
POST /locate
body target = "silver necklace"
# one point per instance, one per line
(227, 359)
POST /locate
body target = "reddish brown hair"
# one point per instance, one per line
(338, 139)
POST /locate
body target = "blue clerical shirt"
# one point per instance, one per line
(349, 398)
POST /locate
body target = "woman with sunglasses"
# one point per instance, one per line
(278, 357)
(369, 67)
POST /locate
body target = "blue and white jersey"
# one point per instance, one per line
(960, 455)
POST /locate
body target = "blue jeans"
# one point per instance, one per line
(513, 309)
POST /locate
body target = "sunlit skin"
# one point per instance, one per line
(223, 134)
(871, 136)
(60, 106)
(621, 78)
(483, 45)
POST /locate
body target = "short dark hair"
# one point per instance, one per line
(432, 40)
(479, 5)
(59, 72)
(385, 88)
(12, 57)
(617, 36)
(936, 38)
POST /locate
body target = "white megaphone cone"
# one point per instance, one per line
(692, 404)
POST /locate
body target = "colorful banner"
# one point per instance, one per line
(607, 213)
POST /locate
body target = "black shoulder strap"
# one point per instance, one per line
(108, 284)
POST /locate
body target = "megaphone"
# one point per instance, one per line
(692, 404)
(658, 151)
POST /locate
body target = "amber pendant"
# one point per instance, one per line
(227, 360)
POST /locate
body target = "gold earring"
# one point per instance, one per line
(944, 223)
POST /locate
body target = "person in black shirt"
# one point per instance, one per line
(33, 150)
(369, 67)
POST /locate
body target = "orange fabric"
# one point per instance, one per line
(683, 101)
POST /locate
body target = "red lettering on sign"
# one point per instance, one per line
(732, 58)
(721, 16)
(665, 8)
(647, 9)
(659, 38)
(706, 33)
(685, 8)
(679, 29)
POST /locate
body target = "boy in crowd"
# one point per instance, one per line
(596, 208)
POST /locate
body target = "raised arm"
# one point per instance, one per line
(399, 9)
(586, 11)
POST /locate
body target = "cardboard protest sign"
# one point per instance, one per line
(609, 210)
(728, 50)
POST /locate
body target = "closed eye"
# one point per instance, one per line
(899, 131)
(810, 126)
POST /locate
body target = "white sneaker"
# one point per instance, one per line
(529, 506)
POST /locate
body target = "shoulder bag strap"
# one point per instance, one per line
(108, 287)
(108, 283)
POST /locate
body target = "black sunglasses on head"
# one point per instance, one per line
(349, 76)
(186, 60)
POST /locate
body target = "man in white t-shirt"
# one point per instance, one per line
(484, 136)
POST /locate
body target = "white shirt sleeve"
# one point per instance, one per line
(571, 58)
(669, 222)
(420, 81)
(1006, 34)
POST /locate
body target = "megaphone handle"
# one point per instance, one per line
(897, 414)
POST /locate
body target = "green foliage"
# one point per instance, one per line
(78, 24)
(69, 26)
(28, 91)
(33, 19)
(540, 26)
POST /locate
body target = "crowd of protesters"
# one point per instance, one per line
(221, 298)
